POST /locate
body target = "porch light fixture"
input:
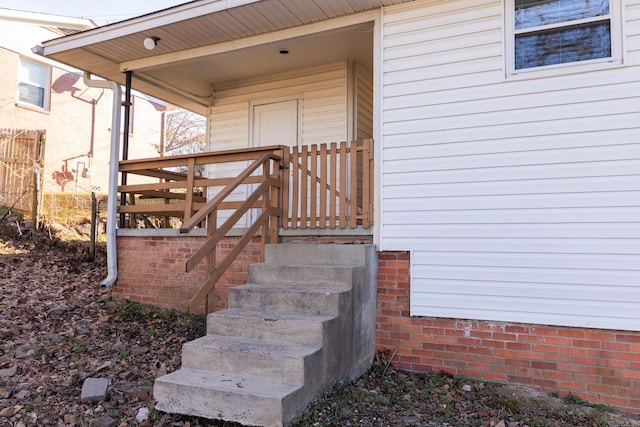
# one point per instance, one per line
(151, 42)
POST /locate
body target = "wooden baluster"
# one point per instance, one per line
(295, 186)
(210, 260)
(353, 196)
(323, 186)
(333, 185)
(313, 163)
(284, 173)
(304, 202)
(266, 203)
(188, 205)
(342, 200)
(366, 183)
(275, 198)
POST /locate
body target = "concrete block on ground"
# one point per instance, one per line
(94, 390)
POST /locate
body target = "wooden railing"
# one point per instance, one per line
(268, 191)
(181, 189)
(264, 194)
(331, 186)
(312, 187)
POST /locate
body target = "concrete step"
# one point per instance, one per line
(240, 398)
(305, 320)
(318, 254)
(294, 299)
(269, 325)
(273, 360)
(311, 275)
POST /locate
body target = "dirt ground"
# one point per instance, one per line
(58, 327)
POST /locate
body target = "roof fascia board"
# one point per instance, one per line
(46, 19)
(199, 52)
(204, 101)
(50, 62)
(141, 23)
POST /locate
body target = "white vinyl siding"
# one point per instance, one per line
(519, 200)
(323, 94)
(364, 103)
(229, 126)
(228, 129)
(632, 26)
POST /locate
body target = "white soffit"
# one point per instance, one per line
(199, 29)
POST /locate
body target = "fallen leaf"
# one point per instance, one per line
(8, 372)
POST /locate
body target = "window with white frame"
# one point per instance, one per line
(551, 32)
(33, 84)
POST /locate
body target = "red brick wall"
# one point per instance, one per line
(601, 366)
(151, 270)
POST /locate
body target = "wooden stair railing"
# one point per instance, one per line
(268, 192)
(181, 194)
(321, 186)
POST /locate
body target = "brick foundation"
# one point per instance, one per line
(601, 366)
(152, 270)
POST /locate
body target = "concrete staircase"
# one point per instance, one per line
(305, 320)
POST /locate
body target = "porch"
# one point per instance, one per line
(224, 207)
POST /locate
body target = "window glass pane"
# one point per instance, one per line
(536, 13)
(563, 45)
(32, 84)
(32, 73)
(31, 94)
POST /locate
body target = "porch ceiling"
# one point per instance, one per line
(205, 43)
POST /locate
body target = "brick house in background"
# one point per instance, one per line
(38, 93)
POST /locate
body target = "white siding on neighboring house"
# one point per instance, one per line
(519, 199)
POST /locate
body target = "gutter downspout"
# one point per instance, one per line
(112, 191)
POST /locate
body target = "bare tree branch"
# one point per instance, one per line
(185, 132)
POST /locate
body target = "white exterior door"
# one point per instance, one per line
(274, 123)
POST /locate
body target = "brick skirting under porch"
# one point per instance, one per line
(151, 269)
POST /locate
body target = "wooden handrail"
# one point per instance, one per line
(324, 186)
(133, 165)
(329, 185)
(224, 264)
(270, 213)
(226, 227)
(211, 204)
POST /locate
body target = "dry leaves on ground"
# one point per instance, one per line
(58, 327)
